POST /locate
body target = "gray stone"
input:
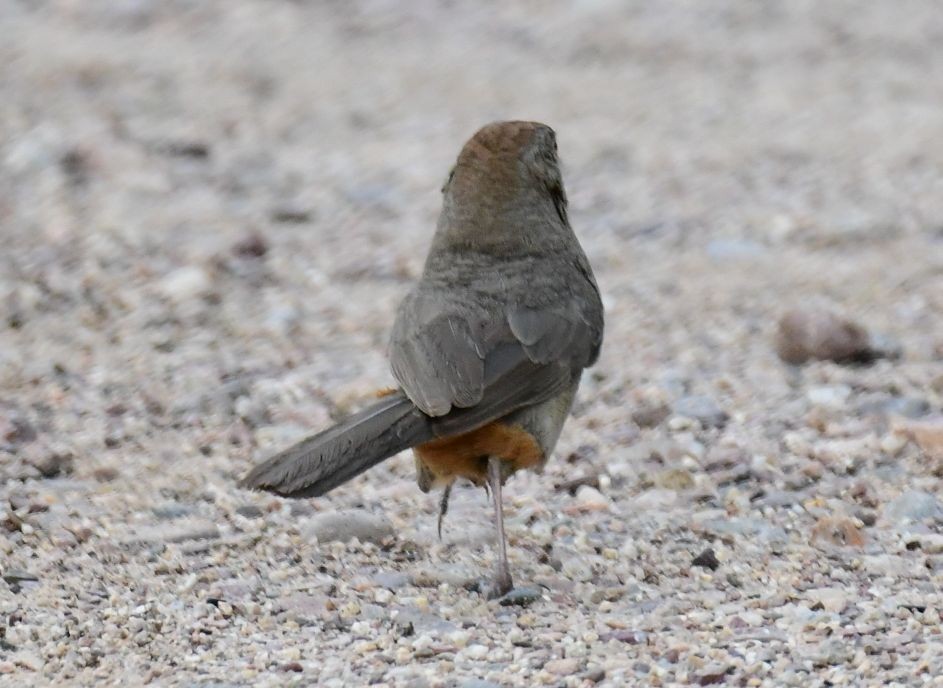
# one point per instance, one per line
(342, 526)
(304, 607)
(913, 506)
(250, 511)
(171, 511)
(186, 283)
(702, 409)
(829, 396)
(178, 531)
(476, 683)
(834, 651)
(18, 576)
(418, 621)
(522, 597)
(755, 528)
(392, 579)
(885, 346)
(908, 407)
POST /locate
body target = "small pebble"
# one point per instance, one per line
(702, 409)
(808, 334)
(476, 652)
(706, 560)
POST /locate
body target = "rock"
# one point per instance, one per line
(655, 499)
(867, 517)
(702, 409)
(304, 607)
(837, 530)
(250, 511)
(252, 245)
(342, 526)
(573, 485)
(651, 415)
(887, 565)
(928, 435)
(392, 580)
(885, 346)
(755, 528)
(412, 620)
(15, 576)
(626, 636)
(283, 319)
(831, 652)
(706, 560)
(476, 652)
(562, 667)
(806, 335)
(477, 683)
(522, 597)
(905, 407)
(930, 543)
(172, 510)
(184, 148)
(712, 675)
(185, 284)
(675, 479)
(576, 567)
(912, 506)
(832, 599)
(290, 214)
(893, 443)
(829, 396)
(591, 499)
(174, 532)
(842, 455)
(16, 429)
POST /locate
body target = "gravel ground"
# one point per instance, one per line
(209, 211)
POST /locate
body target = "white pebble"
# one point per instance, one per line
(476, 651)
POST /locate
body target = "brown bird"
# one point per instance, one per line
(488, 348)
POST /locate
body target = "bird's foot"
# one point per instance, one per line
(499, 586)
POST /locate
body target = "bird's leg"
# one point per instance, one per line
(444, 506)
(502, 580)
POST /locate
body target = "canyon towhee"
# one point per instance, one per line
(489, 346)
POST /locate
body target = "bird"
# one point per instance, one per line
(487, 348)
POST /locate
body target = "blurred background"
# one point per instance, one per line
(209, 211)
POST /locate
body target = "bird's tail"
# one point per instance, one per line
(331, 458)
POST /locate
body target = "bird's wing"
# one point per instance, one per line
(447, 356)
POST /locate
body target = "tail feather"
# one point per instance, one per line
(322, 462)
(332, 457)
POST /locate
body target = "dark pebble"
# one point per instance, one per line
(626, 636)
(252, 246)
(168, 512)
(522, 597)
(250, 511)
(706, 560)
(651, 416)
(14, 576)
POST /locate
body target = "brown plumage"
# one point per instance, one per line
(489, 346)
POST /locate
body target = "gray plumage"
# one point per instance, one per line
(506, 316)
